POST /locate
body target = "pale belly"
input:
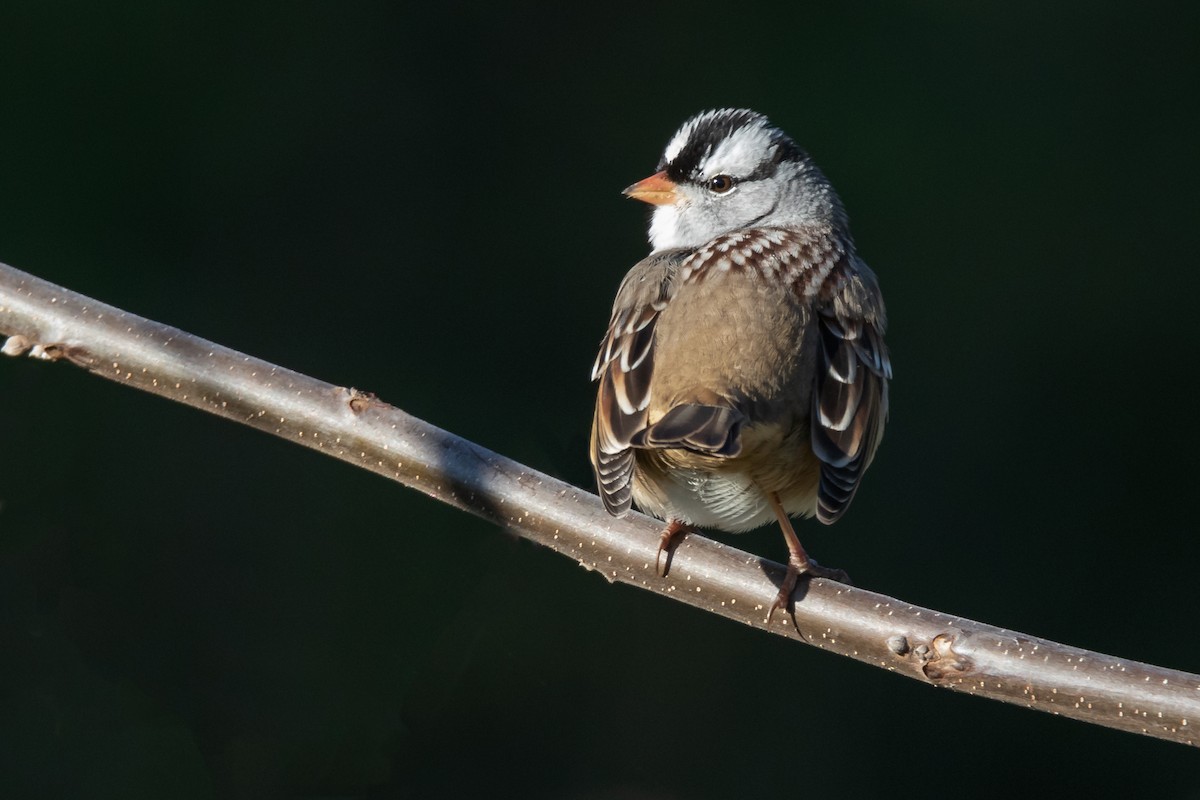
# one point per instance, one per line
(730, 494)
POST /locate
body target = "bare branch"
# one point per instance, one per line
(47, 321)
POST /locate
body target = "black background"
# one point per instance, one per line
(423, 202)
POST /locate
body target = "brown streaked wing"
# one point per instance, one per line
(850, 400)
(623, 368)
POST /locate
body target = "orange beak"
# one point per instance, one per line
(657, 190)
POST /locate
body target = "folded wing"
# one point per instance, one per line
(850, 398)
(624, 367)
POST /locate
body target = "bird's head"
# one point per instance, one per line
(729, 169)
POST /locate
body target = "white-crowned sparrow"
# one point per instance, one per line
(743, 377)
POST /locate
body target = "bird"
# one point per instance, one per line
(743, 377)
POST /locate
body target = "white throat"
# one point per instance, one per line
(664, 229)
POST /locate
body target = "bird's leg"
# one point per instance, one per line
(673, 530)
(798, 562)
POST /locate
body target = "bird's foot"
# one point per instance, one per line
(795, 568)
(662, 561)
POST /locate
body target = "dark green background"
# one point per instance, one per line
(423, 203)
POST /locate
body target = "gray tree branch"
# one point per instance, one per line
(49, 322)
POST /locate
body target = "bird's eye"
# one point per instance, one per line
(720, 184)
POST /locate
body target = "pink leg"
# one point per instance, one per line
(798, 562)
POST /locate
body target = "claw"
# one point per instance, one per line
(674, 529)
(810, 569)
(798, 564)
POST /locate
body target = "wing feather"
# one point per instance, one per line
(850, 401)
(624, 368)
